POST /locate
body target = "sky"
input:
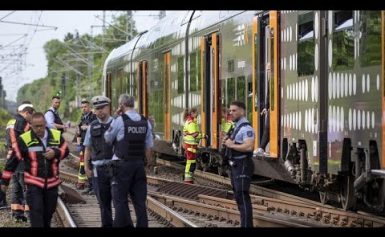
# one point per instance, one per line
(25, 42)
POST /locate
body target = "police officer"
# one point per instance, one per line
(85, 120)
(241, 145)
(15, 128)
(41, 149)
(100, 154)
(52, 115)
(87, 117)
(133, 145)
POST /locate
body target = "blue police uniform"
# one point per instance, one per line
(129, 176)
(101, 179)
(241, 171)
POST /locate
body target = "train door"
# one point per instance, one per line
(143, 93)
(210, 89)
(267, 82)
(167, 96)
(383, 87)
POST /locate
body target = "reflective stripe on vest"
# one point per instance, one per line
(190, 127)
(27, 138)
(11, 123)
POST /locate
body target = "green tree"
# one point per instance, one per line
(74, 56)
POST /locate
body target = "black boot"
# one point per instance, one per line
(3, 201)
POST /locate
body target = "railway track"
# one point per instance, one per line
(87, 214)
(273, 202)
(176, 204)
(291, 205)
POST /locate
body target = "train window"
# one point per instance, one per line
(257, 63)
(230, 91)
(305, 47)
(343, 41)
(199, 71)
(230, 65)
(249, 101)
(180, 75)
(370, 40)
(129, 85)
(114, 92)
(271, 74)
(120, 78)
(194, 71)
(241, 89)
(134, 85)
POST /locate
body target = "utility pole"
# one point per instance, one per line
(129, 26)
(90, 66)
(104, 20)
(63, 83)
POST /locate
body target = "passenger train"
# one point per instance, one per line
(323, 72)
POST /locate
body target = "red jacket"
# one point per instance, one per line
(38, 170)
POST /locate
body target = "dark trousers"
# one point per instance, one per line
(241, 173)
(18, 194)
(266, 131)
(91, 179)
(42, 205)
(3, 198)
(129, 177)
(102, 188)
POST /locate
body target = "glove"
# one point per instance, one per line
(78, 148)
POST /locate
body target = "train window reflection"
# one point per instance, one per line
(343, 41)
(180, 75)
(306, 44)
(194, 72)
(370, 41)
(230, 91)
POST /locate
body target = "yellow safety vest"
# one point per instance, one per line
(27, 138)
(11, 123)
(226, 125)
(190, 128)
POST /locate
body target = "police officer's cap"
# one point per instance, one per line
(100, 101)
(84, 101)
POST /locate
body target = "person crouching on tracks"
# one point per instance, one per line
(99, 154)
(191, 137)
(241, 145)
(41, 149)
(15, 128)
(132, 150)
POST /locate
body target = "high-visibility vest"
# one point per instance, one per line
(191, 134)
(226, 125)
(11, 123)
(36, 160)
(8, 139)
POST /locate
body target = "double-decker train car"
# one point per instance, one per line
(322, 72)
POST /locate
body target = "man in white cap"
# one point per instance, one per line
(15, 127)
(100, 154)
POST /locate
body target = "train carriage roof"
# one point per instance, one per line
(123, 51)
(204, 19)
(169, 29)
